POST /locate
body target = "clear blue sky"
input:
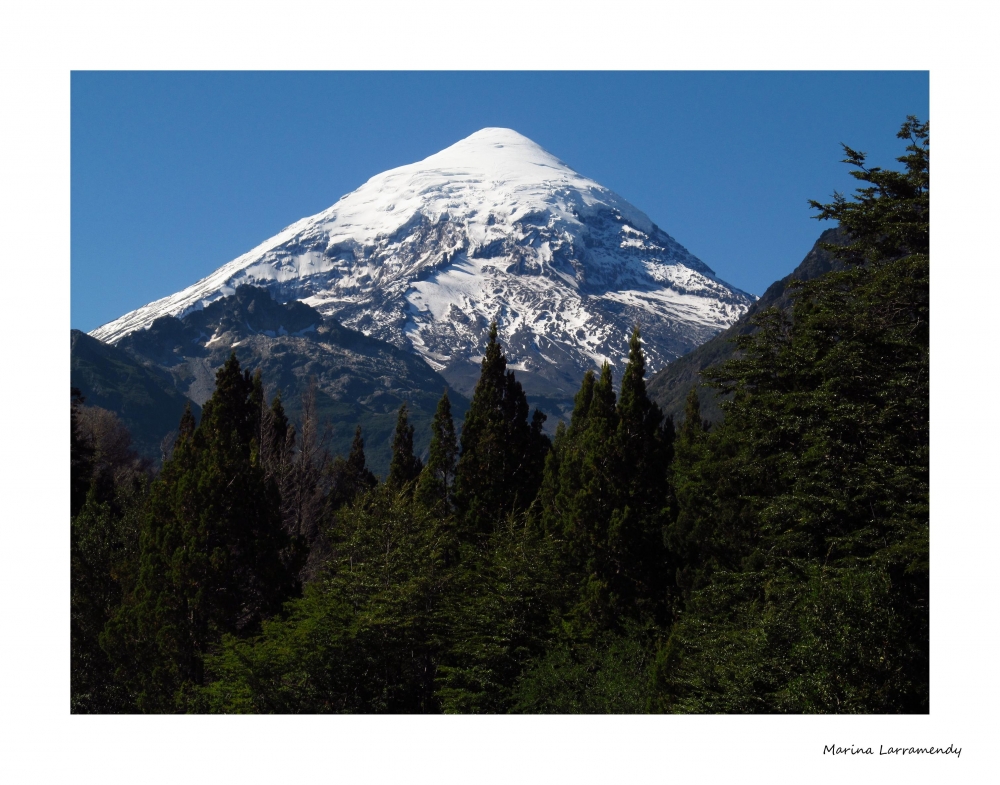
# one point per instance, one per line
(176, 173)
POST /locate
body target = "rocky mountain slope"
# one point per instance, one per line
(144, 398)
(359, 379)
(670, 386)
(426, 255)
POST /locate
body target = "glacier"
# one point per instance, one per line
(426, 255)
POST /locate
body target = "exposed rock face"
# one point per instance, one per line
(144, 398)
(670, 386)
(359, 379)
(426, 255)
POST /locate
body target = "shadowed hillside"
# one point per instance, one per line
(670, 386)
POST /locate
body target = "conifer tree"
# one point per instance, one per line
(366, 638)
(589, 493)
(500, 467)
(550, 504)
(805, 512)
(350, 477)
(104, 534)
(637, 525)
(639, 417)
(405, 467)
(605, 495)
(210, 549)
(433, 489)
(687, 535)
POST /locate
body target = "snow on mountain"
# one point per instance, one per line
(426, 255)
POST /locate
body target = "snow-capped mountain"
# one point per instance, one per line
(426, 255)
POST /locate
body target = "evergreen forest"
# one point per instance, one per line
(776, 561)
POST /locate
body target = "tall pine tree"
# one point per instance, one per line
(404, 467)
(636, 527)
(350, 477)
(210, 550)
(604, 496)
(499, 470)
(434, 486)
(808, 505)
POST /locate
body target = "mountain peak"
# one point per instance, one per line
(493, 227)
(497, 135)
(494, 145)
(495, 168)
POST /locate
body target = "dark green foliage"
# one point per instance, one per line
(434, 485)
(497, 616)
(104, 547)
(499, 470)
(350, 477)
(405, 467)
(609, 675)
(699, 481)
(889, 217)
(804, 515)
(364, 638)
(104, 544)
(670, 385)
(211, 550)
(604, 496)
(588, 497)
(776, 561)
(562, 464)
(637, 525)
(797, 636)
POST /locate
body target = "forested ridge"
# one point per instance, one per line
(776, 561)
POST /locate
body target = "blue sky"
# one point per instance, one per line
(175, 173)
